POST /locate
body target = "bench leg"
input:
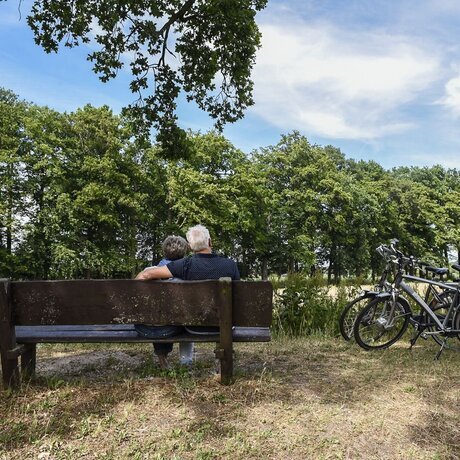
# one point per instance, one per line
(225, 356)
(28, 361)
(224, 352)
(10, 372)
(225, 348)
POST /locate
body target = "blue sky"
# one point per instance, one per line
(378, 79)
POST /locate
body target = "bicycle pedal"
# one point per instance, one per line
(424, 336)
(416, 321)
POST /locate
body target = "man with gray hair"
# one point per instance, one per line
(202, 265)
(198, 238)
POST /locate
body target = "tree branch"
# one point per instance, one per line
(179, 14)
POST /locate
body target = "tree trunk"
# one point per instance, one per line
(332, 263)
(329, 272)
(132, 244)
(9, 211)
(264, 269)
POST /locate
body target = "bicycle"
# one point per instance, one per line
(385, 319)
(439, 302)
(351, 310)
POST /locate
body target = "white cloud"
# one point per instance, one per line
(451, 99)
(336, 83)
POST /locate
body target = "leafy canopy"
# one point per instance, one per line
(205, 48)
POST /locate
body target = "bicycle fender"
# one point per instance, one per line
(387, 295)
(370, 293)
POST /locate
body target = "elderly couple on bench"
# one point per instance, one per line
(202, 265)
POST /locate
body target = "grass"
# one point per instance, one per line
(315, 397)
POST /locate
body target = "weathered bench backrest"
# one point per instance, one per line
(82, 302)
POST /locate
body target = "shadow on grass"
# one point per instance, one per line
(343, 375)
(439, 425)
(285, 372)
(52, 407)
(76, 389)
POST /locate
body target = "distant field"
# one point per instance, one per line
(309, 398)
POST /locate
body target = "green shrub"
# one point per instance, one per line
(307, 306)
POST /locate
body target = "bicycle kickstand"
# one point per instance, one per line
(438, 354)
(415, 338)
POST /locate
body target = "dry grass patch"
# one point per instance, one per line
(292, 399)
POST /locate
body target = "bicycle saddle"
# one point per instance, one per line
(437, 271)
(456, 267)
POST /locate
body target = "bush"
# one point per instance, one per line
(307, 306)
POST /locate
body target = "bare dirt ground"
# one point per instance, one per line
(309, 398)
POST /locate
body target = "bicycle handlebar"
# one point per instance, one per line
(396, 257)
(393, 255)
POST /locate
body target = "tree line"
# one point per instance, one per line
(82, 196)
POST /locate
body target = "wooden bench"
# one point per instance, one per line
(79, 311)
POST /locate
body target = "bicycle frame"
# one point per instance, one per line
(400, 284)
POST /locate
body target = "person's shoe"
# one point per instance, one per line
(163, 361)
(186, 362)
(186, 353)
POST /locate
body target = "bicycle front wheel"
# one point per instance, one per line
(381, 323)
(350, 313)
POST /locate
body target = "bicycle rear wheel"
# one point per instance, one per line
(440, 308)
(350, 313)
(379, 325)
(456, 326)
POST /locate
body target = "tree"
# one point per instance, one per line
(154, 220)
(419, 193)
(12, 202)
(205, 189)
(452, 209)
(205, 48)
(97, 205)
(48, 137)
(289, 201)
(337, 207)
(375, 217)
(439, 201)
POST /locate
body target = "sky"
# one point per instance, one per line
(378, 79)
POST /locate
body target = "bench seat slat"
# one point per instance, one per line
(124, 333)
(72, 327)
